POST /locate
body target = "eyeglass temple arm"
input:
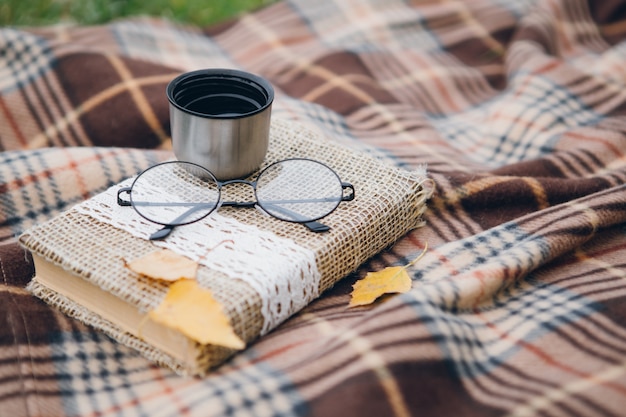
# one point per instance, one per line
(162, 232)
(313, 226)
(316, 226)
(167, 229)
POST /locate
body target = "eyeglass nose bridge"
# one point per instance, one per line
(239, 181)
(238, 203)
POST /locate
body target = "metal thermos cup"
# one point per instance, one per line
(220, 119)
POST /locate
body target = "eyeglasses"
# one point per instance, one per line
(176, 193)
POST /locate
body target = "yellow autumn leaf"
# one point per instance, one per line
(393, 279)
(165, 265)
(193, 311)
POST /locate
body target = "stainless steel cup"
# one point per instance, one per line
(220, 119)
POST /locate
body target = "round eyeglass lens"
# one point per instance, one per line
(298, 190)
(175, 193)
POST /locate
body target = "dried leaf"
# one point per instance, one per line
(192, 310)
(165, 265)
(393, 279)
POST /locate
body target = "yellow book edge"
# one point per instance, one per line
(125, 316)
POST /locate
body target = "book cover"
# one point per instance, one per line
(260, 269)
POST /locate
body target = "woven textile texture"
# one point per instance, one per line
(517, 107)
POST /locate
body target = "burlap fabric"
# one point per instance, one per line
(389, 202)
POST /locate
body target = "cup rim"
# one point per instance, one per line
(226, 73)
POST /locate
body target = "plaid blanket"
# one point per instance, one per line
(517, 107)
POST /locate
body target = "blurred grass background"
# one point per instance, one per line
(89, 12)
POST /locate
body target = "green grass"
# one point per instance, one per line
(88, 12)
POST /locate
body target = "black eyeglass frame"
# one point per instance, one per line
(311, 223)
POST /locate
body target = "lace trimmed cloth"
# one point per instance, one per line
(237, 250)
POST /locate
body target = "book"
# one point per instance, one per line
(260, 269)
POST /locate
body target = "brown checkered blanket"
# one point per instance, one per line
(517, 107)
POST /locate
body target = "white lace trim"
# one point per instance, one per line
(284, 274)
